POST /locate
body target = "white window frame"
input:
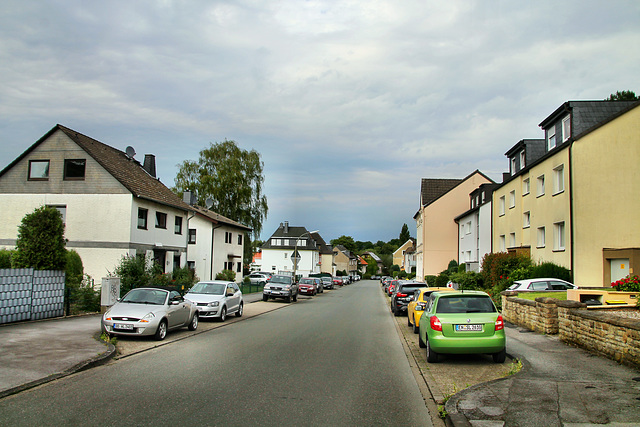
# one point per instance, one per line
(503, 243)
(501, 205)
(566, 128)
(512, 240)
(526, 186)
(522, 159)
(541, 237)
(512, 199)
(551, 138)
(513, 166)
(540, 188)
(559, 236)
(558, 179)
(526, 219)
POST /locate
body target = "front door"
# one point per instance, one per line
(619, 268)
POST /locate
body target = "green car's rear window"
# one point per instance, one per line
(465, 304)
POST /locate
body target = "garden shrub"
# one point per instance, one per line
(5, 258)
(227, 275)
(549, 269)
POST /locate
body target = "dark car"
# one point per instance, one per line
(403, 295)
(280, 286)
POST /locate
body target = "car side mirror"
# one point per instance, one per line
(175, 302)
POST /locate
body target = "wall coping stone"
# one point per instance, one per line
(522, 301)
(571, 304)
(607, 317)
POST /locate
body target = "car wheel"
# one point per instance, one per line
(265, 298)
(500, 356)
(432, 356)
(421, 343)
(416, 329)
(240, 310)
(223, 314)
(288, 299)
(295, 298)
(408, 320)
(193, 325)
(161, 332)
(262, 283)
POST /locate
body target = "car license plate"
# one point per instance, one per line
(275, 292)
(124, 326)
(469, 328)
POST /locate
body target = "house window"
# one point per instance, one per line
(513, 166)
(285, 255)
(558, 179)
(191, 265)
(192, 236)
(142, 218)
(468, 227)
(161, 220)
(558, 236)
(526, 187)
(74, 169)
(526, 220)
(551, 138)
(178, 226)
(239, 270)
(63, 211)
(540, 186)
(239, 238)
(512, 240)
(38, 170)
(566, 128)
(522, 159)
(227, 237)
(541, 237)
(512, 199)
(503, 245)
(501, 205)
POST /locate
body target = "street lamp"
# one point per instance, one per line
(296, 256)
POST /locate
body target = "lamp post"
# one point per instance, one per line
(296, 256)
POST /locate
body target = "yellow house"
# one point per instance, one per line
(441, 200)
(399, 255)
(555, 203)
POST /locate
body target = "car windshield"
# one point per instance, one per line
(208, 288)
(146, 296)
(410, 289)
(465, 304)
(306, 282)
(281, 279)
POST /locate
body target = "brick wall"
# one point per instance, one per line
(601, 331)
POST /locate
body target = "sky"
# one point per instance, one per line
(349, 103)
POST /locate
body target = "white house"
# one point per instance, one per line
(278, 252)
(110, 203)
(216, 243)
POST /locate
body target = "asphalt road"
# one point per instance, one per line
(334, 359)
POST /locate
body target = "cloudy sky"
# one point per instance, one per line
(350, 103)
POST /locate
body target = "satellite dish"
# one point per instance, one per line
(130, 152)
(208, 202)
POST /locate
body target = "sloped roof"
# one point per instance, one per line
(217, 218)
(324, 248)
(127, 171)
(433, 188)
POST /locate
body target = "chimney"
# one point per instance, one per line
(150, 164)
(189, 197)
(286, 227)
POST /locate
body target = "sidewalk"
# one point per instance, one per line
(33, 353)
(559, 385)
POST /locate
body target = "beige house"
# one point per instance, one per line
(326, 255)
(401, 258)
(441, 200)
(555, 202)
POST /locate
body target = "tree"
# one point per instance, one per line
(232, 178)
(41, 243)
(625, 95)
(347, 242)
(404, 234)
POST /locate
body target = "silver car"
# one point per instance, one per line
(149, 311)
(542, 284)
(216, 299)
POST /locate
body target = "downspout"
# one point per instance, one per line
(571, 255)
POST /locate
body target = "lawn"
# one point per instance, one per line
(533, 295)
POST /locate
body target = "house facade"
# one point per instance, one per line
(326, 255)
(278, 253)
(441, 201)
(554, 206)
(215, 243)
(401, 256)
(112, 206)
(474, 229)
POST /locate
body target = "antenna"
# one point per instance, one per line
(130, 152)
(209, 202)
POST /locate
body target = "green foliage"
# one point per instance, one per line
(468, 280)
(135, 272)
(625, 95)
(549, 269)
(372, 267)
(232, 178)
(185, 276)
(394, 267)
(453, 266)
(404, 234)
(442, 279)
(5, 258)
(430, 280)
(341, 273)
(227, 275)
(346, 241)
(630, 283)
(41, 243)
(402, 274)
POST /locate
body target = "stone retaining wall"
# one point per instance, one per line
(601, 331)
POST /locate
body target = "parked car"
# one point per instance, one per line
(327, 282)
(544, 284)
(307, 286)
(462, 323)
(403, 294)
(319, 284)
(259, 278)
(417, 305)
(149, 311)
(216, 299)
(337, 281)
(280, 286)
(391, 287)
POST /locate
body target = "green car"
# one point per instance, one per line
(464, 322)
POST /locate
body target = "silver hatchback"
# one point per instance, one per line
(216, 299)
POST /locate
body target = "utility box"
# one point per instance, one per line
(110, 292)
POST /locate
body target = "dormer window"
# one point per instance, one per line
(38, 170)
(513, 166)
(551, 138)
(522, 159)
(566, 128)
(74, 169)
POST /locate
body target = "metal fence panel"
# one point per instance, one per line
(28, 294)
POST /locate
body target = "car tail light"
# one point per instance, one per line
(499, 323)
(402, 295)
(435, 323)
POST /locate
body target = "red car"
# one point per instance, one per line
(391, 287)
(337, 281)
(307, 286)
